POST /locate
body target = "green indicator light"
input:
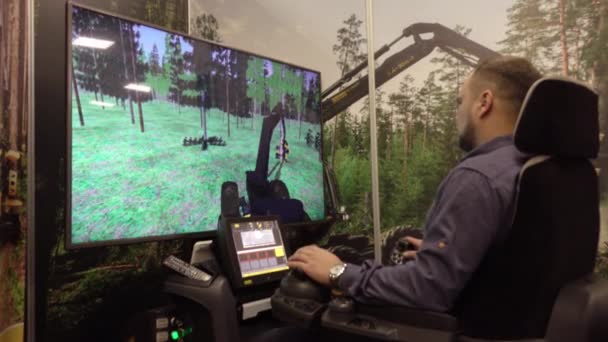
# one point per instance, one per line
(174, 335)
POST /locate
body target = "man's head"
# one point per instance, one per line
(490, 99)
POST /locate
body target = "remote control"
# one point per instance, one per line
(185, 269)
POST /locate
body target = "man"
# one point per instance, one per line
(472, 210)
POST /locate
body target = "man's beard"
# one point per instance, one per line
(466, 139)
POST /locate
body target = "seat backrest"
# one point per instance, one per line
(554, 236)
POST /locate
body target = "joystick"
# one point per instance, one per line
(299, 300)
(298, 285)
(342, 304)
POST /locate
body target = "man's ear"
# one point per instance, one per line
(486, 102)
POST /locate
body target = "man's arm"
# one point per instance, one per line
(460, 228)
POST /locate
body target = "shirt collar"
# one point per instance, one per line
(490, 146)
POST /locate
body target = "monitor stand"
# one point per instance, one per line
(218, 298)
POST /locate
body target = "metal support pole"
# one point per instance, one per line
(30, 285)
(371, 71)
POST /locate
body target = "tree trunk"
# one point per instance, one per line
(131, 109)
(228, 106)
(77, 95)
(201, 107)
(334, 137)
(424, 130)
(333, 142)
(98, 83)
(253, 112)
(3, 62)
(124, 60)
(133, 53)
(14, 37)
(24, 84)
(406, 141)
(562, 29)
(300, 124)
(204, 114)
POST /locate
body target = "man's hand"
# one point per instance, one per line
(315, 262)
(414, 242)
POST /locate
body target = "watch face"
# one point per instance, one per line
(336, 270)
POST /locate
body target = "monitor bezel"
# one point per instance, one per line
(210, 234)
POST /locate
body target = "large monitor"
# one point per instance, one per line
(159, 120)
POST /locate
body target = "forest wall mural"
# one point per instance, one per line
(14, 109)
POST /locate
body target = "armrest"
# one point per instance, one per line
(414, 317)
(391, 323)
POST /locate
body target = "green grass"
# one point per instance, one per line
(128, 184)
(159, 83)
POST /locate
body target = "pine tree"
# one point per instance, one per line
(595, 59)
(529, 32)
(429, 99)
(343, 127)
(125, 50)
(276, 84)
(404, 107)
(349, 46)
(206, 27)
(176, 70)
(225, 60)
(256, 83)
(567, 37)
(550, 34)
(137, 71)
(238, 86)
(155, 66)
(348, 50)
(167, 56)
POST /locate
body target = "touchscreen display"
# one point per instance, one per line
(259, 247)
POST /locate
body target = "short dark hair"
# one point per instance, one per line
(512, 77)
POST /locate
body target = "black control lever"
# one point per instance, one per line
(299, 300)
(298, 285)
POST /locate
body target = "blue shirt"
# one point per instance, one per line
(473, 209)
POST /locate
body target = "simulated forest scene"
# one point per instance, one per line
(160, 121)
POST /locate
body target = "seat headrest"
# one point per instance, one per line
(559, 117)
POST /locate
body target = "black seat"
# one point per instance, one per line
(531, 281)
(554, 237)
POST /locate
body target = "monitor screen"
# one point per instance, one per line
(259, 247)
(158, 121)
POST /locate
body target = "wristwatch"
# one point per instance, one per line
(334, 274)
